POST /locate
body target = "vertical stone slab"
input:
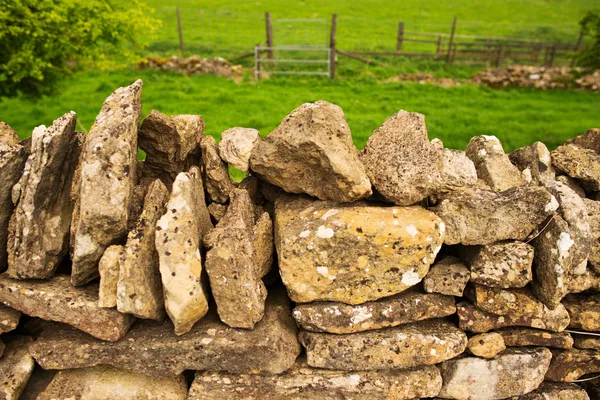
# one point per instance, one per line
(216, 176)
(109, 267)
(16, 366)
(108, 174)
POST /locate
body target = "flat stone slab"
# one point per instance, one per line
(520, 337)
(9, 318)
(556, 391)
(304, 382)
(104, 382)
(16, 366)
(395, 310)
(586, 342)
(513, 373)
(57, 300)
(584, 311)
(448, 276)
(421, 343)
(486, 345)
(579, 159)
(570, 365)
(216, 176)
(152, 348)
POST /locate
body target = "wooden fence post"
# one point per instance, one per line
(451, 41)
(577, 47)
(500, 56)
(179, 31)
(439, 44)
(332, 45)
(400, 37)
(269, 28)
(552, 55)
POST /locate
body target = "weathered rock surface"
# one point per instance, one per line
(311, 152)
(586, 342)
(458, 170)
(217, 211)
(57, 300)
(492, 164)
(519, 337)
(179, 235)
(556, 391)
(580, 159)
(421, 343)
(39, 228)
(236, 146)
(448, 276)
(396, 310)
(514, 373)
(109, 268)
(593, 210)
(214, 171)
(514, 213)
(486, 345)
(502, 264)
(150, 347)
(235, 264)
(304, 382)
(570, 365)
(139, 289)
(352, 253)
(16, 366)
(107, 177)
(2, 348)
(12, 161)
(584, 311)
(534, 161)
(572, 184)
(172, 144)
(475, 320)
(103, 382)
(401, 163)
(9, 318)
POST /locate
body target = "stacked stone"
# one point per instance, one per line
(403, 271)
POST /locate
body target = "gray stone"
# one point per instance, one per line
(16, 366)
(9, 318)
(519, 337)
(236, 146)
(109, 268)
(572, 184)
(580, 159)
(458, 170)
(535, 162)
(448, 276)
(214, 170)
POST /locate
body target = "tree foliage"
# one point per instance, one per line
(43, 40)
(589, 55)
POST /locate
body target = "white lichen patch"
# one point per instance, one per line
(329, 213)
(412, 230)
(322, 270)
(410, 278)
(304, 234)
(552, 206)
(361, 314)
(564, 243)
(324, 233)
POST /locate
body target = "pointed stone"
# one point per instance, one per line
(534, 161)
(448, 276)
(458, 170)
(9, 318)
(39, 228)
(172, 144)
(556, 391)
(401, 163)
(262, 239)
(304, 382)
(104, 382)
(584, 311)
(396, 310)
(236, 146)
(570, 365)
(486, 345)
(57, 300)
(108, 174)
(514, 373)
(421, 343)
(179, 235)
(139, 289)
(152, 348)
(214, 170)
(109, 268)
(519, 337)
(580, 159)
(352, 253)
(16, 366)
(514, 213)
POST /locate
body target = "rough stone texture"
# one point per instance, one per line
(179, 235)
(514, 373)
(475, 320)
(12, 160)
(457, 170)
(57, 300)
(421, 343)
(584, 311)
(103, 382)
(151, 347)
(401, 163)
(262, 239)
(396, 310)
(570, 365)
(535, 162)
(236, 146)
(514, 213)
(217, 211)
(304, 382)
(448, 276)
(572, 184)
(519, 337)
(352, 253)
(16, 366)
(516, 303)
(486, 345)
(107, 178)
(172, 144)
(311, 152)
(580, 159)
(503, 264)
(556, 391)
(492, 164)
(109, 267)
(9, 318)
(214, 171)
(2, 348)
(593, 210)
(586, 342)
(139, 289)
(39, 228)
(234, 263)
(586, 281)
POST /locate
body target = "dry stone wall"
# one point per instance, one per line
(402, 271)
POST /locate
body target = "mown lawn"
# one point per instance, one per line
(518, 117)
